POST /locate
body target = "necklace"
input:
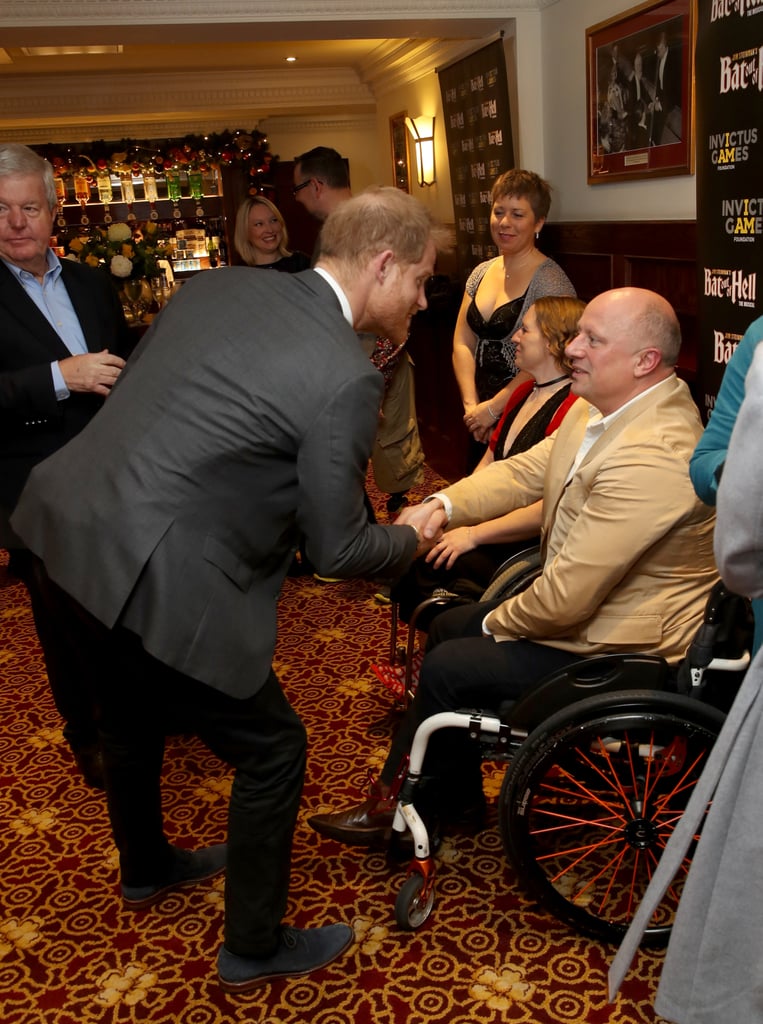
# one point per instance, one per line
(507, 273)
(548, 383)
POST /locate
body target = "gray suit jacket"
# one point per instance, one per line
(245, 416)
(712, 967)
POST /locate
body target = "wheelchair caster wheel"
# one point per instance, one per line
(412, 908)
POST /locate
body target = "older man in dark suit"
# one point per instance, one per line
(244, 419)
(61, 330)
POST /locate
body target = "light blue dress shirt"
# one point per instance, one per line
(52, 300)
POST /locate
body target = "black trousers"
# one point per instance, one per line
(71, 687)
(140, 702)
(465, 669)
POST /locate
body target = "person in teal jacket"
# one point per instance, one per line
(709, 456)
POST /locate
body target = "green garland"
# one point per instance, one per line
(156, 156)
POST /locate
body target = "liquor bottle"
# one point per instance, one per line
(82, 194)
(151, 193)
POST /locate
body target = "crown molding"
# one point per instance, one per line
(125, 103)
(89, 13)
(329, 125)
(415, 40)
(75, 131)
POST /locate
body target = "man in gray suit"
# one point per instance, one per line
(244, 419)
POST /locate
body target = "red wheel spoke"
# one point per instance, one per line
(593, 807)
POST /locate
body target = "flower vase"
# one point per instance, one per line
(136, 298)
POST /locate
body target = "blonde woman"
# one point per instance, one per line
(261, 238)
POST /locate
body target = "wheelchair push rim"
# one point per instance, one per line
(587, 806)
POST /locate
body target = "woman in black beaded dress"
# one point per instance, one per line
(498, 294)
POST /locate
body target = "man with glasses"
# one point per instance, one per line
(321, 181)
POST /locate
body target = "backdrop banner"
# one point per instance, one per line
(475, 101)
(729, 83)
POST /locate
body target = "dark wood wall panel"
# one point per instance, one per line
(660, 255)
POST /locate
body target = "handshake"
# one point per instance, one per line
(429, 519)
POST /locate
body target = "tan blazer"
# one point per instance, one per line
(627, 545)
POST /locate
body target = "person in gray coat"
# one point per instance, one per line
(712, 967)
(244, 420)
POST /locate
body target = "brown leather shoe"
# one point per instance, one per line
(365, 825)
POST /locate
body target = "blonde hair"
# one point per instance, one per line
(558, 317)
(243, 246)
(378, 219)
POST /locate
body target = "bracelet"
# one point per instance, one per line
(416, 531)
(495, 417)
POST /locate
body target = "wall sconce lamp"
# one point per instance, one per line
(422, 130)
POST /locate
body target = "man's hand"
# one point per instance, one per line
(94, 371)
(429, 518)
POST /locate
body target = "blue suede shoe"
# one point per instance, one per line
(190, 866)
(301, 950)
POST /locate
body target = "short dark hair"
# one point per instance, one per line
(527, 185)
(326, 165)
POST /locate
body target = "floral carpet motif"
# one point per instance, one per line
(70, 954)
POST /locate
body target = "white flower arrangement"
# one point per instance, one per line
(120, 266)
(119, 232)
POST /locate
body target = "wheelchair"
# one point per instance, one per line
(603, 756)
(513, 575)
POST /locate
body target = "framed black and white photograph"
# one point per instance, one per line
(640, 92)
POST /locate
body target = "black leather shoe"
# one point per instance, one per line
(190, 866)
(365, 825)
(300, 951)
(90, 763)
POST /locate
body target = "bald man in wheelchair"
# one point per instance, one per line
(626, 548)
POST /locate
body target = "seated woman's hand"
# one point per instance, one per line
(450, 546)
(480, 420)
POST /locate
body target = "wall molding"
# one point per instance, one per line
(87, 13)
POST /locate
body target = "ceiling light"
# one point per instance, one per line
(66, 51)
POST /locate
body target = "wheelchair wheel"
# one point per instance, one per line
(411, 908)
(590, 800)
(514, 576)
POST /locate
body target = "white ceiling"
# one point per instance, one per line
(220, 62)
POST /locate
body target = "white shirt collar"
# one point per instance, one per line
(344, 302)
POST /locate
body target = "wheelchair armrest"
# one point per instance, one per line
(603, 674)
(440, 598)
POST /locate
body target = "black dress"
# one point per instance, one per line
(494, 351)
(291, 264)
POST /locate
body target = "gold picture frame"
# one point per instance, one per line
(401, 153)
(640, 92)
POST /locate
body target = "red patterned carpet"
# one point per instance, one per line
(69, 953)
